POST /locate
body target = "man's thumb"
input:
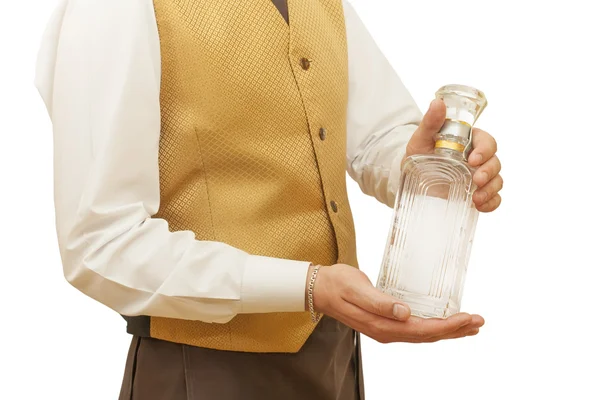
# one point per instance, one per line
(433, 120)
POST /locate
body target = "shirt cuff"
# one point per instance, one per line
(273, 285)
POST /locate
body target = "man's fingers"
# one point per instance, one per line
(422, 329)
(489, 191)
(470, 329)
(464, 332)
(484, 147)
(467, 330)
(490, 205)
(419, 329)
(489, 170)
(374, 301)
(477, 320)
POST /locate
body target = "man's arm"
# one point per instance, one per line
(382, 115)
(99, 75)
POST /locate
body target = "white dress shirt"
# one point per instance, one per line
(98, 72)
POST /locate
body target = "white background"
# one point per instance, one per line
(534, 268)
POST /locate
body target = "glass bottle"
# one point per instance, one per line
(431, 234)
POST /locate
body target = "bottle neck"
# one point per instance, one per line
(450, 149)
(453, 138)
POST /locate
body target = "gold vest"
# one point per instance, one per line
(253, 145)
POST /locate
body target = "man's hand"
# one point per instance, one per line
(483, 157)
(346, 294)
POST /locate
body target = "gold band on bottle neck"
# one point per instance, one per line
(447, 144)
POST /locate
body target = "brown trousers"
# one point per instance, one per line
(327, 367)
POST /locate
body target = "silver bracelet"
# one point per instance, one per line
(311, 304)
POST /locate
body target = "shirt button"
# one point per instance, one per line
(322, 133)
(334, 206)
(305, 63)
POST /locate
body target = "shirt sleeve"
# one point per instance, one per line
(98, 73)
(382, 115)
